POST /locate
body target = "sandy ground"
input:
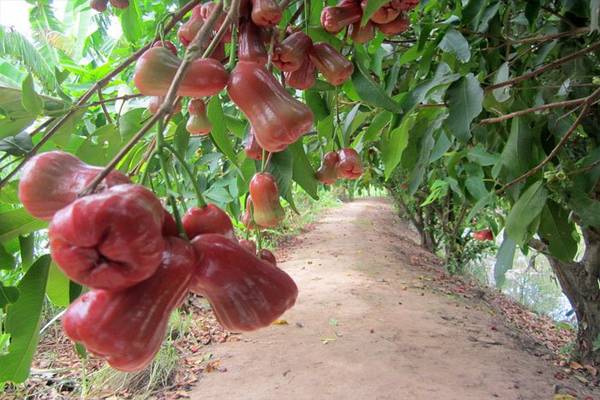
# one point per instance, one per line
(365, 327)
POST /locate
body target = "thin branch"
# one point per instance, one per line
(104, 109)
(193, 52)
(544, 68)
(587, 104)
(560, 104)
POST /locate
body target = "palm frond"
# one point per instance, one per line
(17, 47)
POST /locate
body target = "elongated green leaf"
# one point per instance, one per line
(58, 287)
(504, 260)
(525, 211)
(559, 232)
(281, 167)
(22, 323)
(8, 295)
(218, 132)
(303, 173)
(18, 222)
(394, 143)
(371, 93)
(32, 102)
(516, 157)
(465, 99)
(376, 127)
(131, 22)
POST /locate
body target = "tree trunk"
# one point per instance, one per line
(580, 283)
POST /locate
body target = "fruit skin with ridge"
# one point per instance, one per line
(110, 240)
(304, 77)
(266, 13)
(167, 44)
(334, 19)
(51, 181)
(278, 119)
(127, 327)
(246, 293)
(208, 219)
(156, 68)
(328, 172)
(349, 165)
(268, 212)
(250, 44)
(336, 69)
(198, 122)
(292, 52)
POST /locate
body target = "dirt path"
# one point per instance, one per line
(365, 327)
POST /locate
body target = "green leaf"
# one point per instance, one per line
(595, 15)
(525, 211)
(32, 102)
(394, 143)
(22, 323)
(8, 295)
(7, 260)
(465, 99)
(559, 232)
(371, 93)
(303, 173)
(504, 260)
(17, 145)
(18, 222)
(586, 208)
(370, 9)
(58, 287)
(455, 43)
(131, 22)
(516, 157)
(376, 127)
(218, 132)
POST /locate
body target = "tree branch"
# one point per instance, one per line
(586, 107)
(544, 68)
(543, 107)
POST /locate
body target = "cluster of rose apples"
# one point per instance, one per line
(390, 18)
(122, 244)
(343, 164)
(100, 5)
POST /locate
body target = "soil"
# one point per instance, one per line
(377, 319)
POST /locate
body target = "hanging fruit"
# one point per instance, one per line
(386, 13)
(246, 293)
(208, 219)
(362, 34)
(127, 327)
(247, 216)
(109, 240)
(99, 5)
(251, 46)
(292, 52)
(278, 119)
(198, 123)
(266, 13)
(399, 25)
(336, 69)
(349, 165)
(157, 67)
(187, 32)
(53, 180)
(334, 19)
(157, 101)
(327, 172)
(267, 209)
